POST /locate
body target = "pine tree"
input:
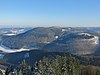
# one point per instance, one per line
(7, 71)
(43, 67)
(20, 72)
(61, 65)
(25, 68)
(1, 72)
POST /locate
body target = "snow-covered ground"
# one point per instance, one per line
(56, 37)
(3, 71)
(15, 31)
(10, 34)
(8, 50)
(94, 40)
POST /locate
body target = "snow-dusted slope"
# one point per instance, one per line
(38, 37)
(78, 43)
(10, 34)
(8, 50)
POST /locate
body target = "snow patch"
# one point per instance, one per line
(8, 50)
(85, 34)
(63, 30)
(96, 40)
(56, 37)
(10, 34)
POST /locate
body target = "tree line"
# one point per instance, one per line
(60, 65)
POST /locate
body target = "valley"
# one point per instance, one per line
(33, 44)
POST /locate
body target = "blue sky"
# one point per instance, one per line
(49, 13)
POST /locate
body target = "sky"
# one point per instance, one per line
(33, 13)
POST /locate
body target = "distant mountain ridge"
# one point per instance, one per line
(36, 38)
(78, 41)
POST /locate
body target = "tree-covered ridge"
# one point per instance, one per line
(61, 65)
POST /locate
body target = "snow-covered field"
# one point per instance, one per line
(8, 50)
